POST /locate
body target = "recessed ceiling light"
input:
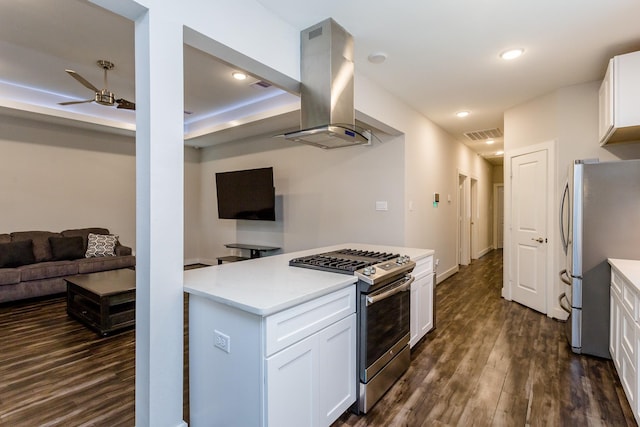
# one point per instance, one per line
(490, 141)
(499, 153)
(462, 114)
(510, 54)
(377, 57)
(238, 75)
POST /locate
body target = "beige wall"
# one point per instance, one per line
(498, 174)
(323, 197)
(404, 171)
(568, 116)
(57, 177)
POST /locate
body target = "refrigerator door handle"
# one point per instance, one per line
(561, 299)
(564, 237)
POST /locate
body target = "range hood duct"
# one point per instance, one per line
(327, 115)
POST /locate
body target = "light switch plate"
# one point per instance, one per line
(382, 206)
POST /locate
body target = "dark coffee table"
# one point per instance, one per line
(104, 301)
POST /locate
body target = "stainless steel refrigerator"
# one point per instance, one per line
(599, 219)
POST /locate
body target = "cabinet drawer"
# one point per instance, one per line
(629, 298)
(616, 282)
(290, 326)
(424, 265)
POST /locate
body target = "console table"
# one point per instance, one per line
(255, 251)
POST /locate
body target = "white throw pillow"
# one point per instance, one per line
(101, 245)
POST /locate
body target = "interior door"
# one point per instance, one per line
(529, 225)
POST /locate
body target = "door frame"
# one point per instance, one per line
(553, 309)
(495, 214)
(466, 232)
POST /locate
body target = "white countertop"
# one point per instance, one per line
(628, 268)
(264, 286)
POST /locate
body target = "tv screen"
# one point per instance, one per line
(246, 194)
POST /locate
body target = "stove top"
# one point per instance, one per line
(345, 261)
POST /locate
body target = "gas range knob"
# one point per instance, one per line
(373, 270)
(367, 271)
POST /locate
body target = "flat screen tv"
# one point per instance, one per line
(246, 194)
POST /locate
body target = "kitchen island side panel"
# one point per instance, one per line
(225, 389)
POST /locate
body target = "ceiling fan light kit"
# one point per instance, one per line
(101, 96)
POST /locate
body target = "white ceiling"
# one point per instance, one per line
(442, 58)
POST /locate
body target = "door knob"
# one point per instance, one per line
(539, 240)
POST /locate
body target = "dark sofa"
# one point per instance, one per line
(34, 263)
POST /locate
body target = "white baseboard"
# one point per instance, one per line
(446, 274)
(485, 251)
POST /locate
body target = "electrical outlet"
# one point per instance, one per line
(222, 341)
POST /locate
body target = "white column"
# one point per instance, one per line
(159, 221)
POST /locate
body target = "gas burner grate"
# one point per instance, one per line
(345, 261)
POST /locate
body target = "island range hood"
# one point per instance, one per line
(327, 115)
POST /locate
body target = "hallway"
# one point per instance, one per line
(491, 362)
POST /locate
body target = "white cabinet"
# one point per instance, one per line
(624, 340)
(619, 119)
(309, 383)
(422, 300)
(296, 367)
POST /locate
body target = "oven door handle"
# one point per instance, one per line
(383, 295)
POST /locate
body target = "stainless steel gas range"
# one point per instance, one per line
(383, 313)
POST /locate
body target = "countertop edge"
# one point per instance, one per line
(267, 311)
(628, 268)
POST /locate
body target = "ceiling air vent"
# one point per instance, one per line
(260, 84)
(480, 135)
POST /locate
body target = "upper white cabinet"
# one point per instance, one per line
(619, 99)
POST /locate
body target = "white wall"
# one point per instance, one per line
(568, 116)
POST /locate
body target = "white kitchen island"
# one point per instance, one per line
(273, 345)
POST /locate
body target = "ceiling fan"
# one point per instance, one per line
(102, 96)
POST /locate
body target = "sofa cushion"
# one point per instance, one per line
(48, 270)
(84, 233)
(5, 238)
(91, 265)
(67, 247)
(9, 276)
(15, 254)
(99, 245)
(41, 247)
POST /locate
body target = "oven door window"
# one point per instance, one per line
(384, 323)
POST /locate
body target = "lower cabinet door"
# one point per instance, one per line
(415, 323)
(421, 307)
(290, 390)
(337, 381)
(426, 304)
(312, 382)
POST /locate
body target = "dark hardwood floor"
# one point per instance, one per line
(492, 362)
(489, 362)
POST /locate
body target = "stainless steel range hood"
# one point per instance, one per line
(327, 115)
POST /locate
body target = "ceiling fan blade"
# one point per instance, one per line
(75, 102)
(82, 80)
(127, 105)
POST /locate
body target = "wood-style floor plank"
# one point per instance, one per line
(489, 362)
